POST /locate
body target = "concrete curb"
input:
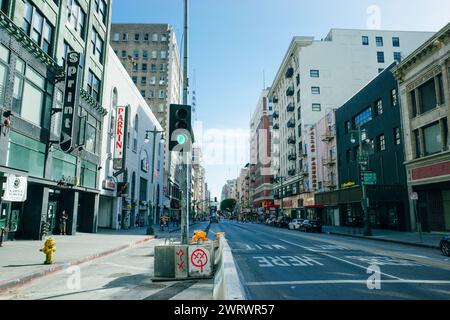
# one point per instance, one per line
(227, 285)
(415, 244)
(17, 283)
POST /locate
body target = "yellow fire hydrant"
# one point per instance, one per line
(49, 250)
(199, 235)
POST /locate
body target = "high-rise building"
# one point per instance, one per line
(315, 77)
(260, 154)
(149, 52)
(35, 37)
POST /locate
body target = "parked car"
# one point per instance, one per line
(445, 246)
(295, 224)
(282, 222)
(311, 226)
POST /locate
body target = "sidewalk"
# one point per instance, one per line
(21, 261)
(429, 240)
(173, 231)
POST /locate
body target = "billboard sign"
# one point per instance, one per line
(120, 138)
(69, 117)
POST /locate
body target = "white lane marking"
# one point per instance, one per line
(306, 282)
(124, 266)
(342, 260)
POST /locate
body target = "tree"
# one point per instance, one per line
(228, 205)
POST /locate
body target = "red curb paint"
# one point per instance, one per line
(56, 269)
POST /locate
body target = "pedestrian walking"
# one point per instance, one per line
(63, 223)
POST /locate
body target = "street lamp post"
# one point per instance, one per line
(151, 210)
(362, 161)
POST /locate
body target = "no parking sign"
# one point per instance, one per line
(199, 261)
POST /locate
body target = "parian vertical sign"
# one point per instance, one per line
(120, 138)
(71, 101)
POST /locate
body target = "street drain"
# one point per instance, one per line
(118, 275)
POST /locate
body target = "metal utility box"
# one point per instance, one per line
(164, 262)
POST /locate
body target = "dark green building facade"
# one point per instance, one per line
(35, 37)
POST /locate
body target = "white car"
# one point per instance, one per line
(295, 224)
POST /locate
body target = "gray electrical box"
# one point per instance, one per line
(164, 262)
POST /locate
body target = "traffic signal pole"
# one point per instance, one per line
(184, 165)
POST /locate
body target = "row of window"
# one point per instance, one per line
(153, 67)
(380, 42)
(162, 80)
(428, 96)
(163, 54)
(367, 114)
(151, 94)
(137, 37)
(381, 59)
(36, 26)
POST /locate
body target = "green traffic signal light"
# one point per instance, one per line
(181, 139)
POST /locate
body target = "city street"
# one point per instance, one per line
(285, 264)
(122, 276)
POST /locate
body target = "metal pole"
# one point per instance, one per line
(367, 231)
(185, 171)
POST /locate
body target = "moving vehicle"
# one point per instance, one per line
(445, 246)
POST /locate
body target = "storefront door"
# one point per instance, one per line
(52, 215)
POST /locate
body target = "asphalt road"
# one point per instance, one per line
(280, 264)
(122, 276)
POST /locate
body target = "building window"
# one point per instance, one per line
(162, 80)
(32, 95)
(136, 36)
(36, 26)
(116, 37)
(66, 49)
(378, 107)
(298, 96)
(297, 79)
(124, 53)
(151, 93)
(146, 37)
(93, 86)
(396, 42)
(125, 37)
(162, 67)
(365, 40)
(397, 56)
(144, 67)
(92, 132)
(163, 54)
(348, 155)
(136, 54)
(427, 94)
(154, 54)
(315, 90)
(134, 78)
(145, 53)
(379, 41)
(143, 93)
(316, 107)
(97, 46)
(362, 118)
(153, 80)
(432, 139)
(162, 94)
(314, 73)
(380, 57)
(347, 126)
(381, 143)
(163, 38)
(76, 17)
(153, 67)
(397, 137)
(144, 81)
(394, 98)
(4, 69)
(135, 67)
(442, 89)
(155, 37)
(100, 8)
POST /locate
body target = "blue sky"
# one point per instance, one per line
(232, 42)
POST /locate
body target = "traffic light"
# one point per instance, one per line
(180, 128)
